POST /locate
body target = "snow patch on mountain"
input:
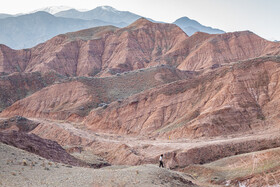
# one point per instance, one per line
(53, 9)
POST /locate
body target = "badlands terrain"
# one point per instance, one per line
(99, 106)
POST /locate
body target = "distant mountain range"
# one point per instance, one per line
(2, 16)
(190, 27)
(105, 13)
(52, 9)
(27, 30)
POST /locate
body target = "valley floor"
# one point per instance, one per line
(205, 161)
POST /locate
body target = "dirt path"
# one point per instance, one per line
(159, 145)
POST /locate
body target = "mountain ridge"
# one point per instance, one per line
(149, 43)
(190, 26)
(37, 29)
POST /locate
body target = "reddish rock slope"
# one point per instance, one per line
(104, 51)
(73, 98)
(206, 50)
(224, 101)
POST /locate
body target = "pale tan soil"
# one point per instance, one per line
(21, 168)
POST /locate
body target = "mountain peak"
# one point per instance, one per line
(140, 22)
(107, 8)
(185, 20)
(190, 26)
(52, 9)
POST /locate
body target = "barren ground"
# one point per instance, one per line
(21, 168)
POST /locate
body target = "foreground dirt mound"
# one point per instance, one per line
(145, 175)
(46, 148)
(20, 168)
(253, 169)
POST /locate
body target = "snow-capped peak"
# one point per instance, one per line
(53, 9)
(108, 8)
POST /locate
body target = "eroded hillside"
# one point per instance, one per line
(126, 96)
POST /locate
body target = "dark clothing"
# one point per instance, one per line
(161, 164)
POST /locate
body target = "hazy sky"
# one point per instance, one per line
(260, 16)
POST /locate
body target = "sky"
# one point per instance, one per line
(259, 16)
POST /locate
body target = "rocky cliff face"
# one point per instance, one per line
(219, 49)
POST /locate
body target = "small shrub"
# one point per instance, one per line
(24, 163)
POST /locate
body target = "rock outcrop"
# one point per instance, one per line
(45, 148)
(128, 95)
(18, 123)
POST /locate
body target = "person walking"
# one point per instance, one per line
(160, 161)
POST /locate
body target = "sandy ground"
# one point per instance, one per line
(21, 168)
